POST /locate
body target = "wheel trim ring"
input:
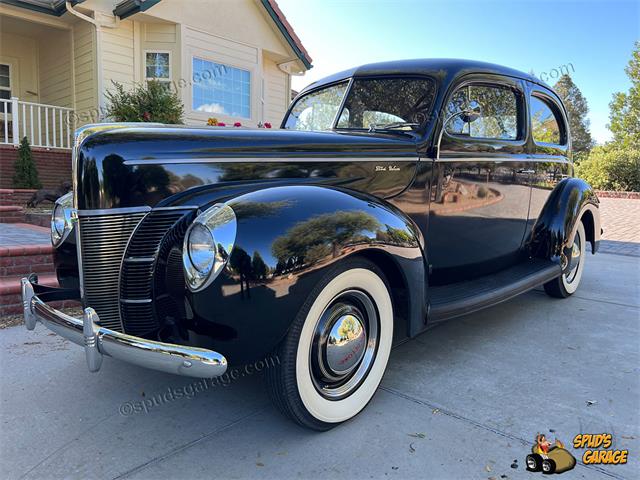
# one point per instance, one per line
(350, 382)
(571, 284)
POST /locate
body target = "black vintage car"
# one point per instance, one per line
(396, 194)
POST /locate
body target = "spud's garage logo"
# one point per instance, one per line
(597, 453)
(555, 458)
(549, 457)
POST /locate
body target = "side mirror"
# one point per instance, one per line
(472, 112)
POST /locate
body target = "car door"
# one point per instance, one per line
(480, 189)
(548, 146)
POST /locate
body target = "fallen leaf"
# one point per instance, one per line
(628, 437)
(488, 468)
(435, 410)
(394, 468)
(591, 402)
(260, 464)
(411, 448)
(416, 435)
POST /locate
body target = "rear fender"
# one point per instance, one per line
(571, 201)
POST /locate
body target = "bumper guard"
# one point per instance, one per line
(99, 341)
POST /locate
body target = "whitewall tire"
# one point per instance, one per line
(336, 352)
(567, 283)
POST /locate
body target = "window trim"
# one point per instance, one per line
(499, 82)
(391, 76)
(252, 76)
(349, 81)
(162, 80)
(556, 110)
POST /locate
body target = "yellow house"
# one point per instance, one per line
(232, 60)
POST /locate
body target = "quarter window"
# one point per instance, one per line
(317, 110)
(221, 89)
(544, 123)
(498, 112)
(157, 67)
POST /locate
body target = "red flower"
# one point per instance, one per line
(146, 116)
(222, 124)
(237, 124)
(267, 125)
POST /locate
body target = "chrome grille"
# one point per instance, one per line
(103, 241)
(137, 282)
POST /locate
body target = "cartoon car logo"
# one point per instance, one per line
(549, 458)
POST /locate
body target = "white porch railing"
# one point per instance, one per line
(46, 126)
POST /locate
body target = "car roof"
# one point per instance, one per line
(444, 68)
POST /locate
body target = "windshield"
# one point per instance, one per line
(376, 103)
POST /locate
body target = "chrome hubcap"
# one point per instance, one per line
(344, 345)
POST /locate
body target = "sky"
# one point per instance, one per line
(592, 40)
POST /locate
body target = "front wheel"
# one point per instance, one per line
(336, 351)
(567, 283)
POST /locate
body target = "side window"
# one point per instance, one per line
(545, 125)
(318, 110)
(498, 109)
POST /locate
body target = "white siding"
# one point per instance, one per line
(85, 72)
(56, 69)
(276, 97)
(117, 55)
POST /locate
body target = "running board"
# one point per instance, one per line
(454, 300)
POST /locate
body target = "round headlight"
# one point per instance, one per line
(202, 248)
(61, 219)
(207, 246)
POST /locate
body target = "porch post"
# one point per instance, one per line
(15, 120)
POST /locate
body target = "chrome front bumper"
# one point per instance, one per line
(99, 341)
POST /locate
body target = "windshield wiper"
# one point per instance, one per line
(392, 126)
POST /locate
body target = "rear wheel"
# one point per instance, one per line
(548, 466)
(335, 354)
(567, 283)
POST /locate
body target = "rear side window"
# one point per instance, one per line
(545, 124)
(498, 112)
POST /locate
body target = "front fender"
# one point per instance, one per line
(286, 239)
(570, 201)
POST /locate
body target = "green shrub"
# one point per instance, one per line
(611, 168)
(26, 175)
(148, 102)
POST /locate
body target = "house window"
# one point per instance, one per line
(158, 67)
(221, 89)
(5, 81)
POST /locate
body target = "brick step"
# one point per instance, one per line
(20, 261)
(15, 196)
(11, 214)
(11, 295)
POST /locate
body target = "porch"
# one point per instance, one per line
(46, 126)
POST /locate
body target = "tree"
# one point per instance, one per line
(26, 175)
(148, 102)
(577, 109)
(625, 107)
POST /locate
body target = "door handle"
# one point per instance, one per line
(526, 171)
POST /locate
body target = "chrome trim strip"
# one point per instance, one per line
(113, 211)
(138, 259)
(143, 300)
(180, 161)
(176, 207)
(99, 341)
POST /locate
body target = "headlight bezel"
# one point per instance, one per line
(220, 222)
(63, 215)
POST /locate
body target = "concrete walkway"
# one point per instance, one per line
(464, 400)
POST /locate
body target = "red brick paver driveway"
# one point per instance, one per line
(620, 220)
